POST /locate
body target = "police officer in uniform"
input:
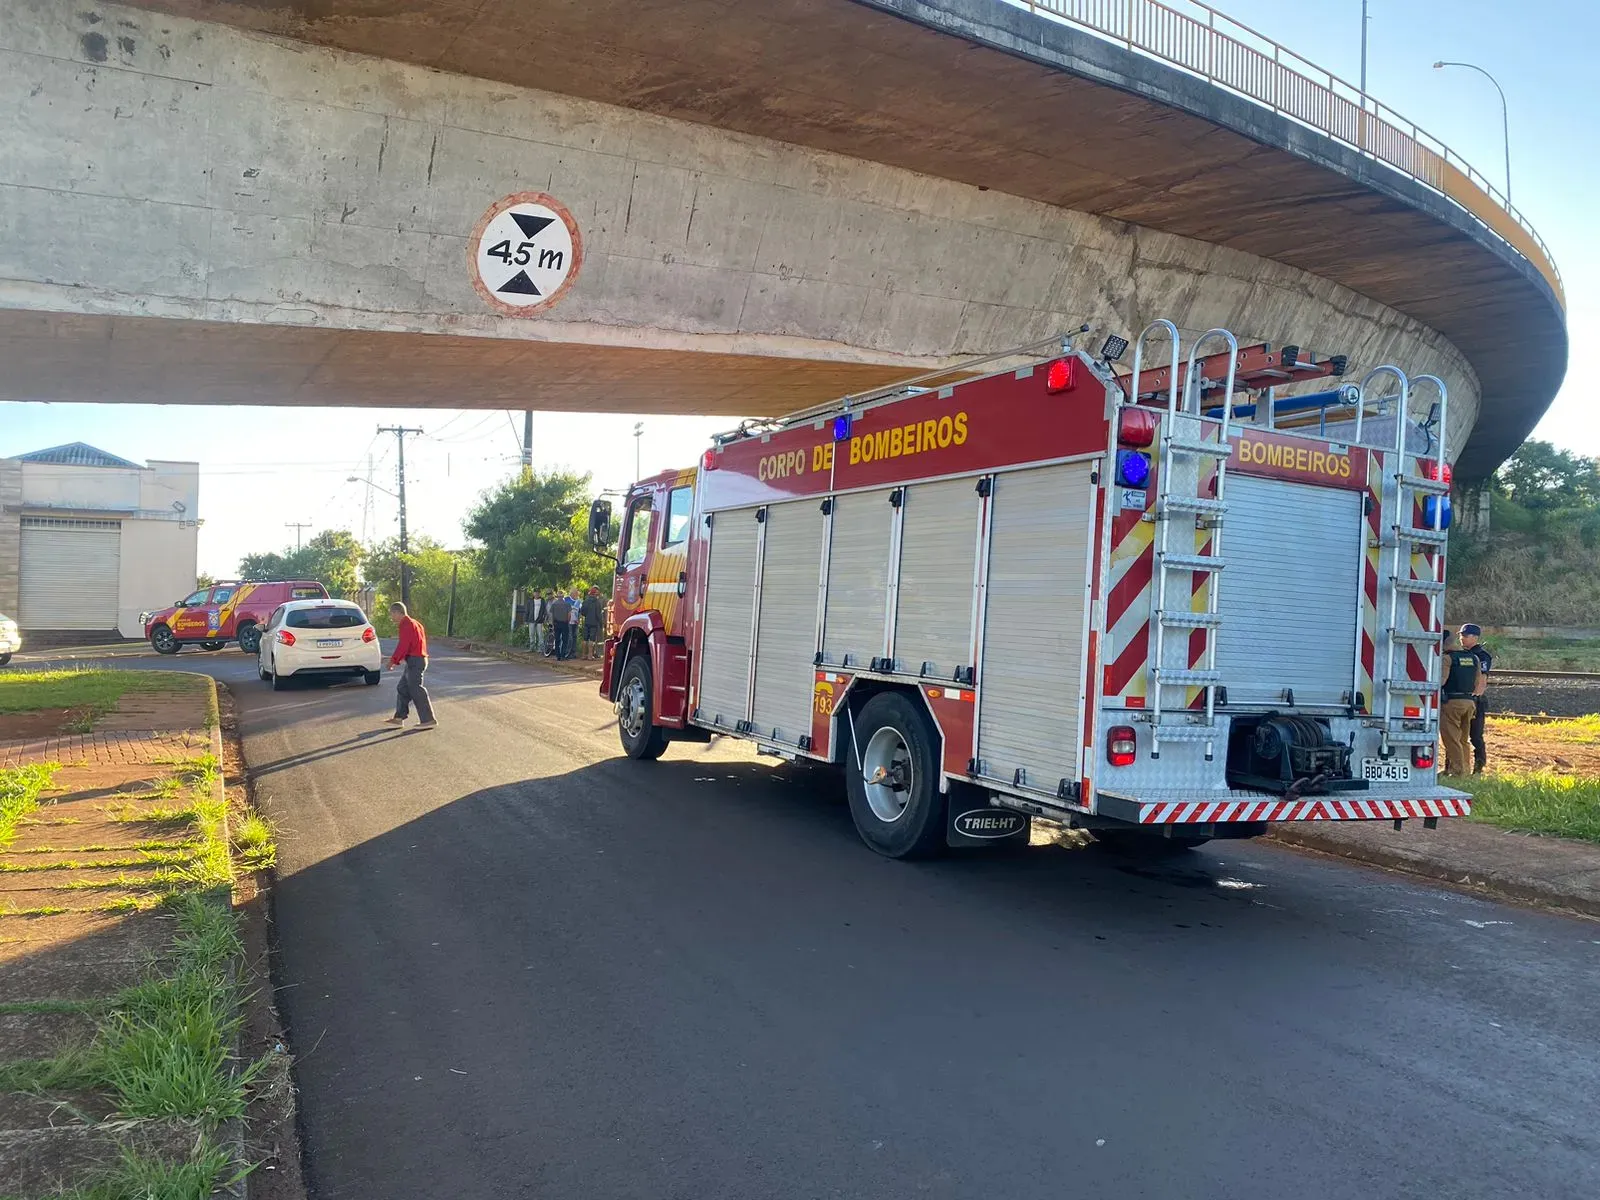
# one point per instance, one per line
(1462, 683)
(1470, 635)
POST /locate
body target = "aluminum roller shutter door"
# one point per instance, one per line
(858, 578)
(786, 636)
(1029, 716)
(1290, 594)
(70, 573)
(938, 544)
(730, 605)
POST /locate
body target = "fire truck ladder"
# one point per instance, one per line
(1408, 539)
(1181, 440)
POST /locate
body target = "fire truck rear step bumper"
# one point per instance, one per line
(1179, 807)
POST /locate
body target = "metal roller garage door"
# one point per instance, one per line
(1290, 595)
(786, 636)
(70, 570)
(1029, 715)
(938, 544)
(730, 606)
(858, 578)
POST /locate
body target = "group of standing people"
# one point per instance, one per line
(562, 622)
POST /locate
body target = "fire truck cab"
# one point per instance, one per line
(1168, 604)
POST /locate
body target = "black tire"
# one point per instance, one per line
(265, 675)
(5, 658)
(164, 641)
(250, 637)
(279, 682)
(1137, 843)
(641, 737)
(903, 814)
(372, 678)
(212, 645)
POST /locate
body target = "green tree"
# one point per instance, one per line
(1543, 478)
(332, 557)
(534, 530)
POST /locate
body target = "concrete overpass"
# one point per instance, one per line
(778, 202)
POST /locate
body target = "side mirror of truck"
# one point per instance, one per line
(600, 526)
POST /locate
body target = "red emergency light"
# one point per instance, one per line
(1433, 469)
(708, 461)
(1061, 375)
(1136, 427)
(1422, 757)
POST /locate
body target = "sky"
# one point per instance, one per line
(1540, 51)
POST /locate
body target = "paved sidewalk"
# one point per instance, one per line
(104, 748)
(1547, 871)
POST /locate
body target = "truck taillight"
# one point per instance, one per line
(1060, 375)
(1122, 747)
(369, 634)
(708, 461)
(285, 638)
(1422, 757)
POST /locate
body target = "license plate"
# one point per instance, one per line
(1385, 770)
(330, 641)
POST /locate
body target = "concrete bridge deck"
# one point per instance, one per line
(855, 187)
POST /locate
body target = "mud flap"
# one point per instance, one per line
(970, 823)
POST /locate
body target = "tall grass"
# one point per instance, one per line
(1537, 802)
(81, 687)
(20, 788)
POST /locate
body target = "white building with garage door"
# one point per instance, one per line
(89, 540)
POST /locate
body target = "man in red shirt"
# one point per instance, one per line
(411, 655)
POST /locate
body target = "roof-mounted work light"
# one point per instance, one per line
(1114, 348)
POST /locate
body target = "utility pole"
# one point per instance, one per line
(297, 526)
(527, 443)
(400, 432)
(638, 439)
(366, 504)
(1364, 53)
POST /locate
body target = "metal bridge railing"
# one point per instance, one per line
(1199, 39)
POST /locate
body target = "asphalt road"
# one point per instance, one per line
(515, 964)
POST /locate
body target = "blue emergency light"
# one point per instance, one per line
(1430, 505)
(1133, 469)
(841, 427)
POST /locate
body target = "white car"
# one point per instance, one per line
(303, 638)
(10, 639)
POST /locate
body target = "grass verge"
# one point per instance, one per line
(20, 788)
(139, 1177)
(1537, 802)
(95, 692)
(1545, 654)
(1575, 730)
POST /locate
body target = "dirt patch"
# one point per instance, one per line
(1562, 698)
(1520, 748)
(41, 722)
(174, 711)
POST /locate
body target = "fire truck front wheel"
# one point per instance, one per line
(641, 737)
(164, 641)
(892, 777)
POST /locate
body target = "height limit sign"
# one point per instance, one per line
(526, 252)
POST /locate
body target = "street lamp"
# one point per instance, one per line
(370, 484)
(1505, 119)
(638, 440)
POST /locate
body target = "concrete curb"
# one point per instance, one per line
(1574, 896)
(229, 1134)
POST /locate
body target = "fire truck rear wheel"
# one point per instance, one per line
(892, 777)
(212, 645)
(250, 638)
(641, 737)
(163, 641)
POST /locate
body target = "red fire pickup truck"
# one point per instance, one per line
(213, 616)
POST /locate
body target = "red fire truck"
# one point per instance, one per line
(1167, 604)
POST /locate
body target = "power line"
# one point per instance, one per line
(297, 526)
